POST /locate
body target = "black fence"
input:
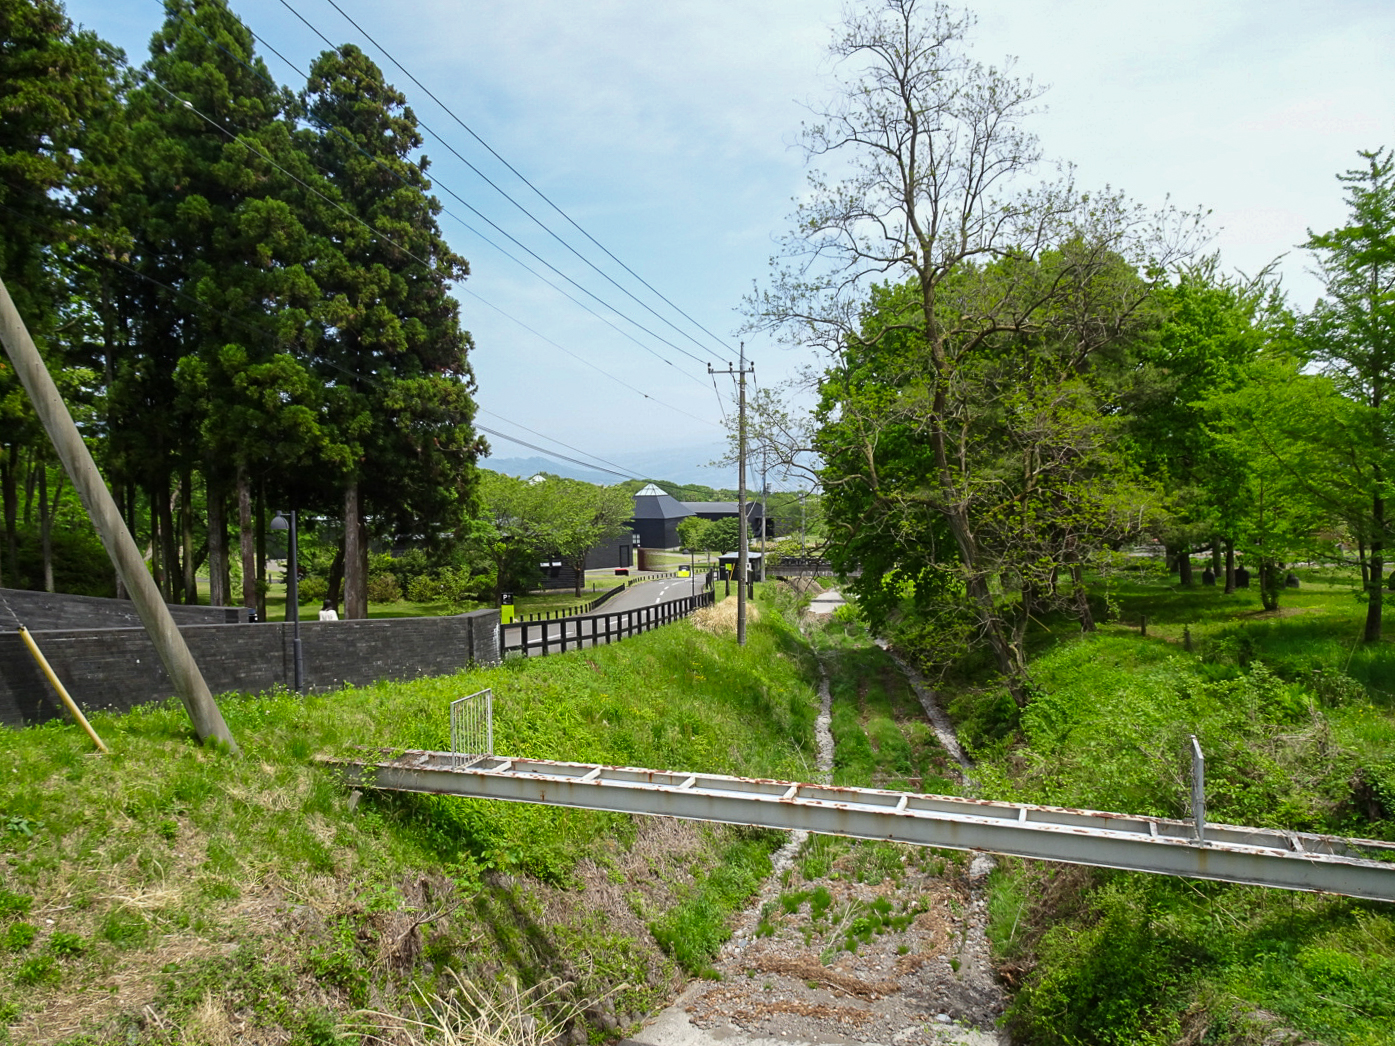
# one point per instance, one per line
(573, 633)
(586, 608)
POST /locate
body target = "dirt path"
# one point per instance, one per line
(917, 974)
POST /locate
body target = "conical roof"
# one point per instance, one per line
(652, 503)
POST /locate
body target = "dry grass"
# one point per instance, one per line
(472, 1015)
(719, 619)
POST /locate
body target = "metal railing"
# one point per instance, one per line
(573, 633)
(472, 728)
(1231, 853)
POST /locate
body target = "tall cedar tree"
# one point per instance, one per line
(393, 360)
(54, 83)
(212, 380)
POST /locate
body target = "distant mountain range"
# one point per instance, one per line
(678, 465)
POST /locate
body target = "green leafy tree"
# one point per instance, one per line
(692, 533)
(936, 148)
(722, 535)
(56, 85)
(393, 359)
(1213, 327)
(214, 379)
(1303, 472)
(578, 516)
(1351, 332)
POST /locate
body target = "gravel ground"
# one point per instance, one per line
(922, 977)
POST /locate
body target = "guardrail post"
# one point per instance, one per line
(1198, 791)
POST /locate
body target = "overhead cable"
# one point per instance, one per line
(451, 113)
(483, 217)
(381, 235)
(518, 243)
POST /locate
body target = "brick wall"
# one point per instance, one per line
(117, 668)
(47, 610)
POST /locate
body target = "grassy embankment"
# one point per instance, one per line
(1297, 719)
(168, 893)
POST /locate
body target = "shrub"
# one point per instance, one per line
(313, 589)
(383, 588)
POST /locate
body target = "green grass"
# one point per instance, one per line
(880, 732)
(155, 861)
(1294, 714)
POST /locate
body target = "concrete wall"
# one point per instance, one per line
(116, 668)
(37, 610)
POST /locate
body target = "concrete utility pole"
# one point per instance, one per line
(743, 549)
(111, 528)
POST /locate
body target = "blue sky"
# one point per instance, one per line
(668, 130)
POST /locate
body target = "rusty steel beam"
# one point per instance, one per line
(1257, 856)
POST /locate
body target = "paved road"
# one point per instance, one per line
(652, 593)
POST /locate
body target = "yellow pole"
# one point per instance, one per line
(58, 685)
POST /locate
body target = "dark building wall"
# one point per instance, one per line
(657, 533)
(44, 610)
(617, 553)
(117, 668)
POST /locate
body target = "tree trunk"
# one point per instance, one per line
(245, 540)
(580, 568)
(1217, 565)
(1271, 583)
(355, 560)
(219, 591)
(9, 463)
(45, 528)
(1082, 600)
(31, 478)
(118, 493)
(259, 523)
(157, 569)
(336, 579)
(1184, 566)
(186, 527)
(1365, 567)
(1373, 589)
(1229, 566)
(169, 548)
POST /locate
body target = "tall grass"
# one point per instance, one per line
(1294, 714)
(153, 860)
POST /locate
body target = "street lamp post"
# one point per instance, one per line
(293, 599)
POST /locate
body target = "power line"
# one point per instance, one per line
(383, 236)
(484, 177)
(451, 113)
(552, 453)
(446, 188)
(276, 339)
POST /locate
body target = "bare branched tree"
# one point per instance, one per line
(1009, 293)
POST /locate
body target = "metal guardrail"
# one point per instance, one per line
(561, 634)
(1257, 856)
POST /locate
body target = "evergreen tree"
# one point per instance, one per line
(393, 361)
(214, 379)
(56, 83)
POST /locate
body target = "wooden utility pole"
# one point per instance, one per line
(111, 528)
(743, 546)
